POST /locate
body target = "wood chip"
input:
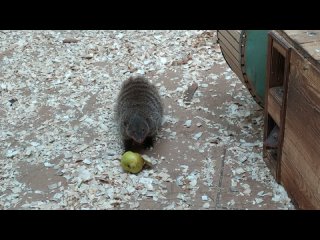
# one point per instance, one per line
(188, 95)
(82, 148)
(70, 40)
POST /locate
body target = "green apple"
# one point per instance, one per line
(132, 162)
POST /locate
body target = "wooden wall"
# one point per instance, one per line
(300, 163)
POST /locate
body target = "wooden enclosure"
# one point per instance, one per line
(245, 51)
(292, 116)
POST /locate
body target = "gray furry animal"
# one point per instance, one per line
(139, 112)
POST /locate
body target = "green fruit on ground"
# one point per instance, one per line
(132, 162)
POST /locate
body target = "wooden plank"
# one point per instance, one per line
(303, 116)
(313, 48)
(268, 70)
(297, 153)
(234, 67)
(271, 156)
(274, 108)
(277, 93)
(226, 52)
(277, 75)
(292, 32)
(310, 82)
(234, 64)
(301, 149)
(296, 187)
(235, 33)
(279, 48)
(290, 41)
(277, 68)
(284, 106)
(267, 128)
(232, 51)
(293, 154)
(228, 37)
(303, 36)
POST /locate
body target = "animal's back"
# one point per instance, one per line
(138, 96)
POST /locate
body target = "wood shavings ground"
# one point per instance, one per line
(59, 141)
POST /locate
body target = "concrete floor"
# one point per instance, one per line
(220, 160)
(216, 188)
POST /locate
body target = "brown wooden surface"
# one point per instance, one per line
(275, 101)
(270, 161)
(286, 72)
(277, 67)
(279, 48)
(296, 187)
(313, 48)
(232, 47)
(306, 42)
(235, 33)
(235, 52)
(277, 93)
(231, 60)
(229, 41)
(235, 42)
(274, 106)
(301, 146)
(303, 36)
